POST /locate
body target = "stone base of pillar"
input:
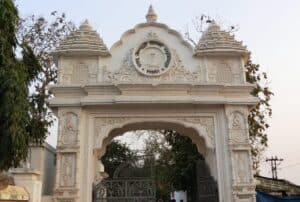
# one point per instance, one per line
(30, 180)
(66, 195)
(244, 193)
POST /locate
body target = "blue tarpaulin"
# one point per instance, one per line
(263, 197)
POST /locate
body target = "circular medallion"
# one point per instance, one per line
(152, 58)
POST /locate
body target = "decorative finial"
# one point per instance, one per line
(151, 15)
(85, 25)
(213, 26)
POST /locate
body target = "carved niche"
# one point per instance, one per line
(68, 170)
(224, 73)
(80, 73)
(69, 129)
(238, 133)
(241, 167)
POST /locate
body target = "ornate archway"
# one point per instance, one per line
(108, 128)
(152, 79)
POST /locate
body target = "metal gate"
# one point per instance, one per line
(132, 181)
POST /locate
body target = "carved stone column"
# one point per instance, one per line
(67, 175)
(243, 184)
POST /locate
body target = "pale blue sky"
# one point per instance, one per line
(270, 29)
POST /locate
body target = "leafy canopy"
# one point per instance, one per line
(16, 122)
(24, 113)
(116, 154)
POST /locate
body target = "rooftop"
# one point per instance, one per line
(85, 40)
(214, 40)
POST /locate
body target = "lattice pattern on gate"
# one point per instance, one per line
(132, 181)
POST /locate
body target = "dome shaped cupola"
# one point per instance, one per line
(215, 41)
(84, 41)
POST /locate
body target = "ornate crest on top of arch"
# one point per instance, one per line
(177, 73)
(152, 35)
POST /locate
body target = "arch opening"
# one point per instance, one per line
(194, 133)
(206, 183)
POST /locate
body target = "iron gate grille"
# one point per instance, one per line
(125, 190)
(132, 181)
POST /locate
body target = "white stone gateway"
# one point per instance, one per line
(152, 79)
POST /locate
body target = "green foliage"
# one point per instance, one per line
(157, 146)
(260, 113)
(15, 76)
(116, 154)
(24, 114)
(182, 171)
(42, 37)
(176, 158)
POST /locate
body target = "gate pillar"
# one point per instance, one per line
(68, 159)
(243, 185)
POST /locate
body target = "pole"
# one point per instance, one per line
(274, 165)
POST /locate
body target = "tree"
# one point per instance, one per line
(156, 145)
(15, 76)
(262, 111)
(185, 155)
(116, 154)
(175, 161)
(25, 116)
(43, 37)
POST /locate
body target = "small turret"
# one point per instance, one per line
(79, 55)
(84, 41)
(216, 41)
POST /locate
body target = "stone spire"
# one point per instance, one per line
(84, 41)
(151, 15)
(216, 41)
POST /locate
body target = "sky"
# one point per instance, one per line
(269, 28)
